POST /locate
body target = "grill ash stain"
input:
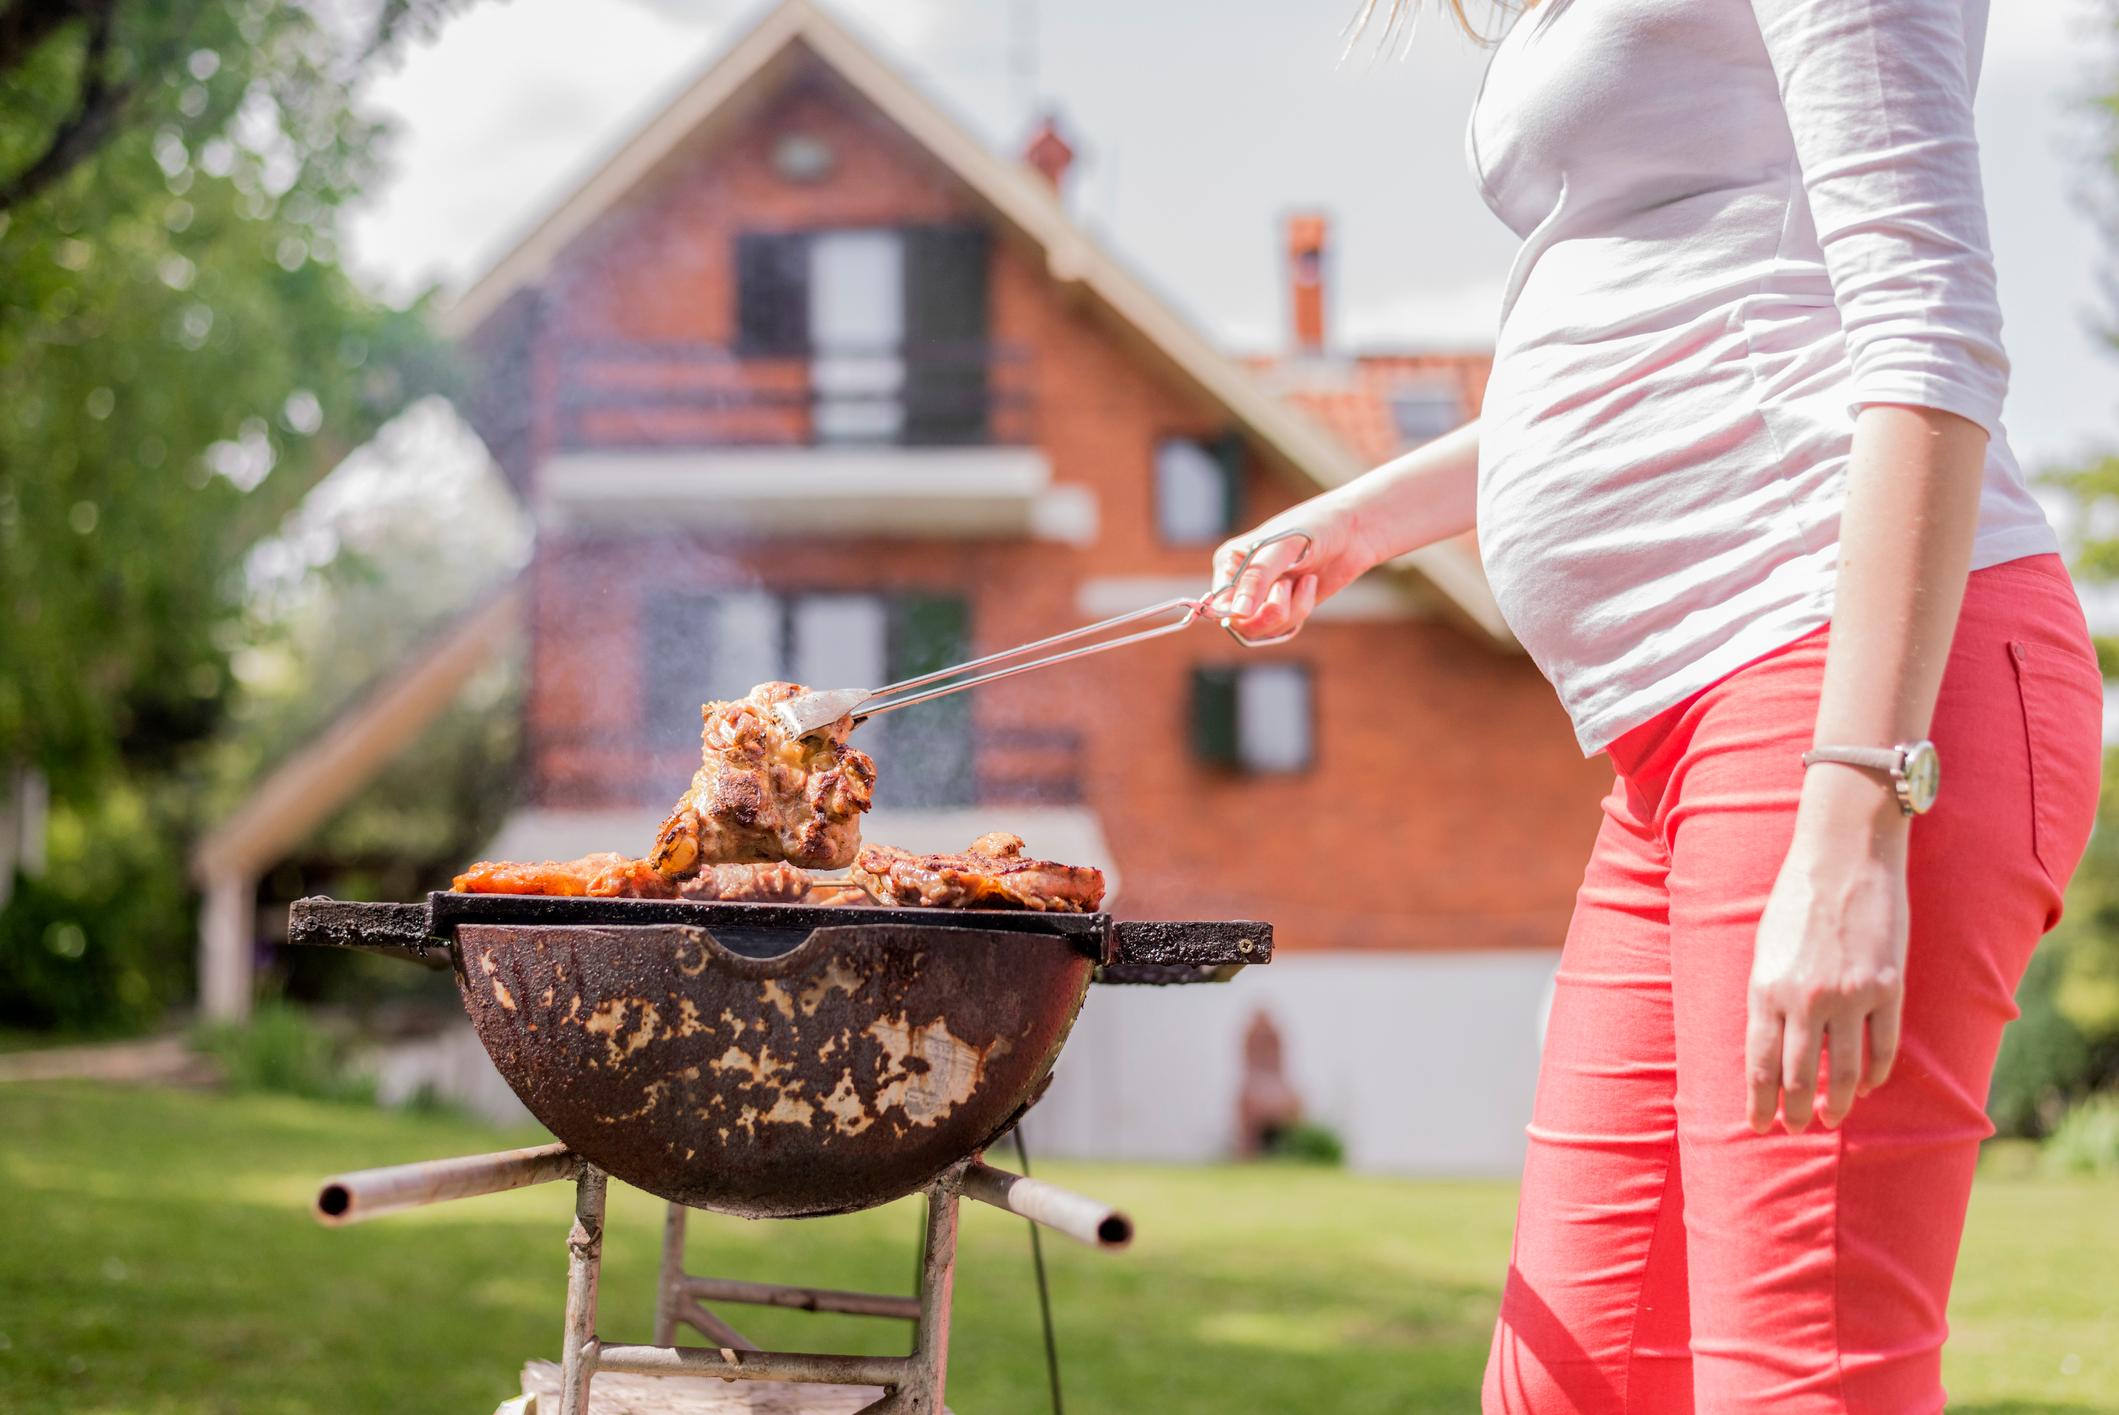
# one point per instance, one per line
(837, 977)
(609, 1022)
(501, 994)
(934, 1071)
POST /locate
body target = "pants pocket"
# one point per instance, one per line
(2062, 695)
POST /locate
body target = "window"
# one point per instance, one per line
(1424, 411)
(857, 335)
(1254, 717)
(893, 322)
(700, 647)
(706, 647)
(1197, 487)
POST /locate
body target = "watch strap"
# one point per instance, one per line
(1890, 759)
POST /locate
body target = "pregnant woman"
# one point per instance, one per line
(1742, 491)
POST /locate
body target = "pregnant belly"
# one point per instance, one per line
(1625, 483)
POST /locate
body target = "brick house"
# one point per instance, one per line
(806, 382)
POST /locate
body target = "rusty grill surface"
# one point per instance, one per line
(774, 1061)
(845, 1073)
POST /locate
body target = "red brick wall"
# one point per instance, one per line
(1447, 808)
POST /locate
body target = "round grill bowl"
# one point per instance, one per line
(845, 1073)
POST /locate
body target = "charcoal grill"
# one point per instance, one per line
(767, 1061)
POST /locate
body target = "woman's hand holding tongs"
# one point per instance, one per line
(1272, 597)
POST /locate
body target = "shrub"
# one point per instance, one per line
(2086, 1141)
(281, 1050)
(2045, 1060)
(102, 940)
(1307, 1142)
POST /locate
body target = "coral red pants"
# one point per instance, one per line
(1668, 1259)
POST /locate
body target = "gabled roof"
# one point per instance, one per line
(1355, 398)
(302, 792)
(775, 49)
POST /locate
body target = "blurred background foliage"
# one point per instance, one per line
(2064, 1050)
(182, 358)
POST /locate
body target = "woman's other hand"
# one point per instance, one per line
(1828, 972)
(1286, 581)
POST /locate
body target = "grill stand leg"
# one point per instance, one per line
(669, 1291)
(927, 1369)
(913, 1384)
(584, 1263)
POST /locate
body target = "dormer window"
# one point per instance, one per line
(802, 157)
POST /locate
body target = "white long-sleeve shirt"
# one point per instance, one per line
(1742, 220)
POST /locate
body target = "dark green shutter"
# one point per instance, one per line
(946, 335)
(1228, 453)
(1214, 715)
(772, 293)
(929, 747)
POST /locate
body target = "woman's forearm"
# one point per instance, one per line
(1425, 495)
(1421, 497)
(1828, 970)
(1906, 531)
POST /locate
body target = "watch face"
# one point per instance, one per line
(1923, 775)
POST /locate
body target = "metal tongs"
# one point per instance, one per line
(814, 711)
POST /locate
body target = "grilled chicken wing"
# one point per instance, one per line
(993, 874)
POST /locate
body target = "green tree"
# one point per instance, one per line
(2067, 1041)
(181, 357)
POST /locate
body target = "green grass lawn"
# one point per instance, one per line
(156, 1255)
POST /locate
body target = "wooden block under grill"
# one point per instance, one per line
(613, 1393)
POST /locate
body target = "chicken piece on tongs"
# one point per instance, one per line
(764, 794)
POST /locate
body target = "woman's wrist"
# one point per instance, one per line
(1362, 548)
(1850, 811)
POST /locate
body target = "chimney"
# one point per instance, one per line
(1048, 152)
(1306, 280)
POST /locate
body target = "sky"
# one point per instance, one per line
(1200, 124)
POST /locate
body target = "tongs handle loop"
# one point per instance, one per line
(1309, 543)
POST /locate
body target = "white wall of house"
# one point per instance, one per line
(1421, 1063)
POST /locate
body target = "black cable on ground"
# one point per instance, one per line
(1044, 1296)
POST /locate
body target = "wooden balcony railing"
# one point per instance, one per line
(614, 393)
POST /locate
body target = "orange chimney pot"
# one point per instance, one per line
(1306, 249)
(1047, 151)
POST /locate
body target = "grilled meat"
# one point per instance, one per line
(776, 882)
(993, 874)
(759, 796)
(612, 876)
(605, 873)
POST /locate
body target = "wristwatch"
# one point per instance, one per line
(1914, 768)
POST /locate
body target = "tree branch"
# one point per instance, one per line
(25, 24)
(96, 109)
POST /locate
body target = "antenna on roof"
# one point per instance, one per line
(1022, 55)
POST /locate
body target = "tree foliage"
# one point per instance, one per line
(2068, 1038)
(180, 353)
(181, 357)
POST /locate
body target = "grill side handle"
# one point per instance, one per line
(396, 930)
(1195, 947)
